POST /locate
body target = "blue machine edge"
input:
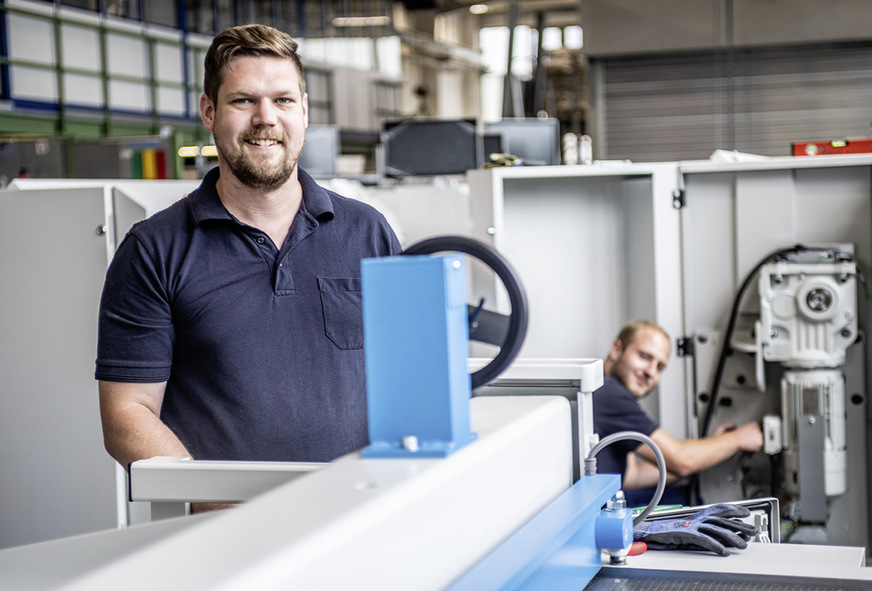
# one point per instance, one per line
(555, 550)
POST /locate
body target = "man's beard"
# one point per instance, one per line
(260, 173)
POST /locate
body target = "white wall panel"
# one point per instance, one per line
(194, 62)
(33, 84)
(450, 101)
(83, 90)
(129, 96)
(80, 48)
(388, 55)
(129, 56)
(171, 101)
(57, 479)
(168, 63)
(353, 108)
(30, 39)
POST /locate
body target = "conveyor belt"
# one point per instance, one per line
(694, 582)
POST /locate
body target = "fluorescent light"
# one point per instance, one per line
(573, 37)
(194, 151)
(361, 21)
(552, 38)
(478, 8)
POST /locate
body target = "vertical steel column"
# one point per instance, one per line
(541, 68)
(512, 103)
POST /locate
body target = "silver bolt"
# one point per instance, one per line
(618, 501)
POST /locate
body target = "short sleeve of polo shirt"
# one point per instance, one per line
(615, 409)
(134, 310)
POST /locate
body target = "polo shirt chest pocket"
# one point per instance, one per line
(342, 306)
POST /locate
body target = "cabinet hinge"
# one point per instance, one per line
(684, 346)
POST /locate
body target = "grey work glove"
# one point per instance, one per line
(713, 529)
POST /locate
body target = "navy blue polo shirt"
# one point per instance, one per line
(615, 409)
(261, 348)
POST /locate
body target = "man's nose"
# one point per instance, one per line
(264, 113)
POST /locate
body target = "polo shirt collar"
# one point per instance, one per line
(205, 204)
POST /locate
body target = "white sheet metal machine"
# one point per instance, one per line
(452, 493)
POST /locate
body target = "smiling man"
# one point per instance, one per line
(231, 322)
(635, 362)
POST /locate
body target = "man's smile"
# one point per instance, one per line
(262, 141)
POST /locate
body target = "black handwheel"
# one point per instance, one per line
(485, 326)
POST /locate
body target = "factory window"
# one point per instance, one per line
(287, 18)
(262, 11)
(162, 12)
(201, 16)
(86, 4)
(233, 12)
(123, 8)
(318, 84)
(494, 42)
(387, 100)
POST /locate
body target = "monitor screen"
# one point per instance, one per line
(431, 147)
(493, 144)
(535, 141)
(320, 151)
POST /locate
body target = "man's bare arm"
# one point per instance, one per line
(685, 457)
(132, 429)
(643, 474)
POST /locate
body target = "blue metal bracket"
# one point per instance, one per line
(416, 340)
(557, 549)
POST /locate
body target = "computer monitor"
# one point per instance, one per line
(431, 147)
(320, 151)
(493, 144)
(536, 141)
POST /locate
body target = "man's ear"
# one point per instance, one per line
(616, 350)
(207, 111)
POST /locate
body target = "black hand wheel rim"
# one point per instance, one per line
(518, 318)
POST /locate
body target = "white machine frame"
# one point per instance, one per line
(357, 523)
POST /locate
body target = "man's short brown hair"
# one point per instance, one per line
(246, 41)
(631, 329)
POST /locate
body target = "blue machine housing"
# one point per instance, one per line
(417, 342)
